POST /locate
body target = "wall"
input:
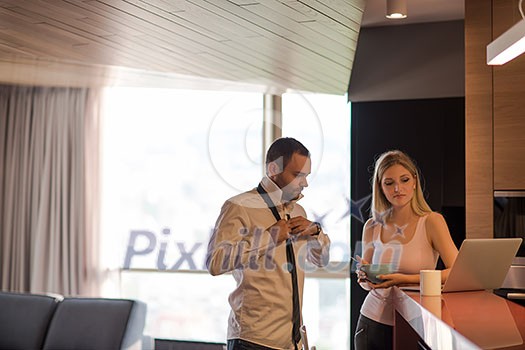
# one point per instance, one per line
(409, 62)
(495, 128)
(432, 132)
(509, 107)
(407, 91)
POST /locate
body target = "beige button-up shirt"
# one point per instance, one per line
(261, 304)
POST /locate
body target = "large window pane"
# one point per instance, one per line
(322, 123)
(171, 157)
(326, 313)
(185, 306)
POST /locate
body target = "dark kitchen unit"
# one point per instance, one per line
(509, 221)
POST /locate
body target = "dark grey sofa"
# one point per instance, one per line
(31, 322)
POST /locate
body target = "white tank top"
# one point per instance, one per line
(408, 258)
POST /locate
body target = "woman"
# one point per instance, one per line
(403, 232)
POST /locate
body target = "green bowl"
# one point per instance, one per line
(373, 270)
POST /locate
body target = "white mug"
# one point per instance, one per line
(430, 282)
(432, 304)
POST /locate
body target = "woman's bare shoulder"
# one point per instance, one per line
(368, 228)
(435, 218)
(436, 224)
(370, 224)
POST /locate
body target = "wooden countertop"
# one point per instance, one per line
(464, 320)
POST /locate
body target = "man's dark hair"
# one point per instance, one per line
(284, 148)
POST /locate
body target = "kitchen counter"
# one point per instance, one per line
(459, 320)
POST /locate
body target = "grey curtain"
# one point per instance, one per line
(49, 190)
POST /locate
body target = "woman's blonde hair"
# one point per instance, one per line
(380, 204)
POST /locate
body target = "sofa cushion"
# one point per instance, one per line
(89, 323)
(24, 319)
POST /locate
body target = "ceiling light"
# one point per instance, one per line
(396, 9)
(508, 45)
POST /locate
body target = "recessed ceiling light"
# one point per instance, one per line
(396, 9)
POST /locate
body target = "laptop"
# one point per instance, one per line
(482, 263)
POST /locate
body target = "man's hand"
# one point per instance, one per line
(280, 231)
(302, 227)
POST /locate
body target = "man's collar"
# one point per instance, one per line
(275, 193)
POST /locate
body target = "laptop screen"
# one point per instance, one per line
(481, 264)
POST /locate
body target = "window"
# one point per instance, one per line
(322, 123)
(171, 158)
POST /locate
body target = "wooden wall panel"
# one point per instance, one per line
(509, 107)
(478, 120)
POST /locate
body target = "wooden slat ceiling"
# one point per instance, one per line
(305, 45)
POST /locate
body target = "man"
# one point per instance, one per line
(259, 236)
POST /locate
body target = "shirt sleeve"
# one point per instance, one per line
(318, 249)
(235, 243)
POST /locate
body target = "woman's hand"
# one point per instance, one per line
(391, 279)
(362, 278)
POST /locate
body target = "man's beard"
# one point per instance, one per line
(287, 197)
